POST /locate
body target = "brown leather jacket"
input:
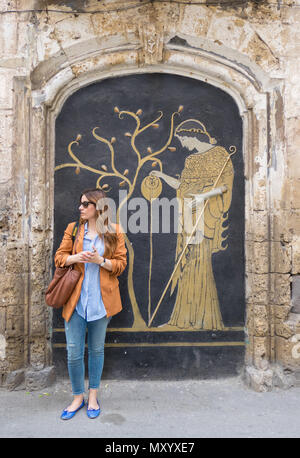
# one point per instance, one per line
(109, 282)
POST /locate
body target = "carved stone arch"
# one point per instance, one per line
(252, 91)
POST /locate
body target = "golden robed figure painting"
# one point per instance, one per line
(197, 304)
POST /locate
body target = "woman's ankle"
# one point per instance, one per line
(93, 393)
(78, 397)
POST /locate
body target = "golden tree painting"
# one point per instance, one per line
(150, 188)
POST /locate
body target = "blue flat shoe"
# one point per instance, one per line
(93, 413)
(66, 415)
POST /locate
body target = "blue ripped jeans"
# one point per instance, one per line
(75, 330)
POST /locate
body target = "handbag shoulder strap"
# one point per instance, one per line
(74, 232)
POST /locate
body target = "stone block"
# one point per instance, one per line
(12, 288)
(16, 260)
(47, 44)
(282, 329)
(259, 255)
(14, 321)
(14, 379)
(259, 52)
(283, 378)
(292, 136)
(281, 257)
(260, 198)
(5, 175)
(6, 88)
(292, 88)
(15, 352)
(260, 226)
(280, 289)
(288, 351)
(261, 323)
(259, 380)
(228, 31)
(75, 33)
(281, 312)
(39, 379)
(6, 129)
(8, 36)
(5, 5)
(261, 352)
(290, 16)
(295, 191)
(283, 225)
(37, 318)
(258, 288)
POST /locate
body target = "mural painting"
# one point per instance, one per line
(163, 138)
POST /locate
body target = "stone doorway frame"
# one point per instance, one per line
(37, 105)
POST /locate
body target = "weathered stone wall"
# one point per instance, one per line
(250, 49)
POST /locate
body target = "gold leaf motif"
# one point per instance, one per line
(116, 110)
(149, 149)
(180, 108)
(128, 134)
(79, 137)
(113, 139)
(77, 170)
(139, 112)
(103, 166)
(105, 186)
(155, 126)
(122, 183)
(125, 172)
(171, 148)
(154, 164)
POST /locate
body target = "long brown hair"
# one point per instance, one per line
(104, 225)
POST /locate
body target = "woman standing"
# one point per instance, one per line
(99, 253)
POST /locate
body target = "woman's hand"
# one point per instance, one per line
(90, 256)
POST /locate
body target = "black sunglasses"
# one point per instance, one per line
(86, 203)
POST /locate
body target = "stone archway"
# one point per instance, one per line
(254, 94)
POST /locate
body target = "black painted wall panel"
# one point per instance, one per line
(93, 106)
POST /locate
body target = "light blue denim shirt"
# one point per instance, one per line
(90, 304)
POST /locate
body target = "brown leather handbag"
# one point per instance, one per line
(63, 283)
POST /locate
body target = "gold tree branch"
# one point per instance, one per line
(169, 139)
(136, 131)
(71, 152)
(112, 151)
(78, 163)
(83, 166)
(151, 123)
